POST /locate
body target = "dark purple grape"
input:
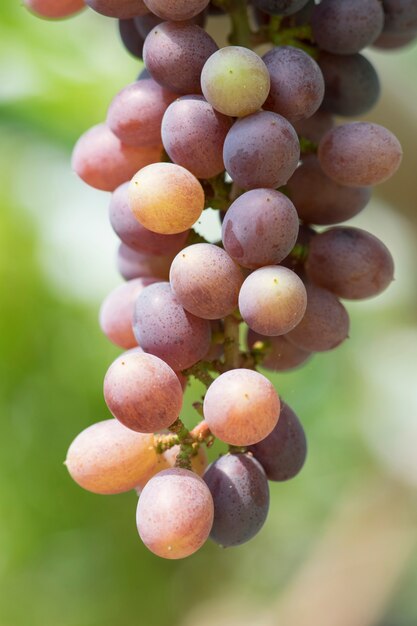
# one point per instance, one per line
(394, 41)
(145, 23)
(282, 454)
(240, 494)
(282, 355)
(280, 7)
(400, 17)
(132, 40)
(122, 9)
(352, 84)
(315, 126)
(347, 26)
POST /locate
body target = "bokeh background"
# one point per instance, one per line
(339, 547)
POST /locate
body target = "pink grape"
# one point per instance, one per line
(116, 312)
(143, 392)
(166, 198)
(135, 113)
(108, 458)
(164, 328)
(133, 264)
(206, 281)
(55, 9)
(241, 407)
(175, 513)
(102, 161)
(178, 10)
(272, 300)
(122, 9)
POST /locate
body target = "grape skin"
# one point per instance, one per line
(116, 312)
(175, 54)
(193, 135)
(350, 262)
(352, 84)
(132, 264)
(260, 228)
(297, 85)
(206, 281)
(400, 17)
(283, 453)
(235, 81)
(166, 198)
(280, 7)
(321, 200)
(167, 460)
(122, 9)
(175, 513)
(394, 41)
(282, 355)
(54, 9)
(135, 113)
(131, 39)
(136, 236)
(347, 26)
(142, 392)
(272, 300)
(102, 161)
(163, 327)
(241, 407)
(315, 126)
(240, 494)
(177, 10)
(108, 458)
(325, 324)
(261, 150)
(359, 154)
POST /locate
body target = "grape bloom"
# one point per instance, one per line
(206, 126)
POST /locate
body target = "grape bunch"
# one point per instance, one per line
(256, 139)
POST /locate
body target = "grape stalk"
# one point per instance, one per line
(256, 139)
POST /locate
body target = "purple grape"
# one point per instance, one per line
(282, 355)
(132, 264)
(193, 135)
(297, 85)
(282, 454)
(400, 17)
(347, 26)
(132, 40)
(260, 228)
(145, 23)
(162, 327)
(280, 7)
(122, 9)
(321, 200)
(316, 126)
(240, 494)
(136, 236)
(261, 150)
(394, 41)
(177, 10)
(175, 54)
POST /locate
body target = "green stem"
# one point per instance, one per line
(231, 342)
(200, 371)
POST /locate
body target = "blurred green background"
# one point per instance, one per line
(339, 547)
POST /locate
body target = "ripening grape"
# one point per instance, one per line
(193, 135)
(135, 113)
(132, 264)
(350, 262)
(297, 85)
(272, 300)
(360, 154)
(240, 494)
(55, 9)
(177, 10)
(175, 513)
(235, 81)
(260, 228)
(321, 200)
(325, 324)
(400, 17)
(261, 150)
(175, 54)
(108, 458)
(131, 39)
(394, 41)
(136, 236)
(116, 312)
(164, 328)
(102, 161)
(316, 126)
(282, 454)
(166, 198)
(206, 281)
(280, 7)
(352, 84)
(241, 407)
(347, 26)
(281, 355)
(122, 9)
(142, 392)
